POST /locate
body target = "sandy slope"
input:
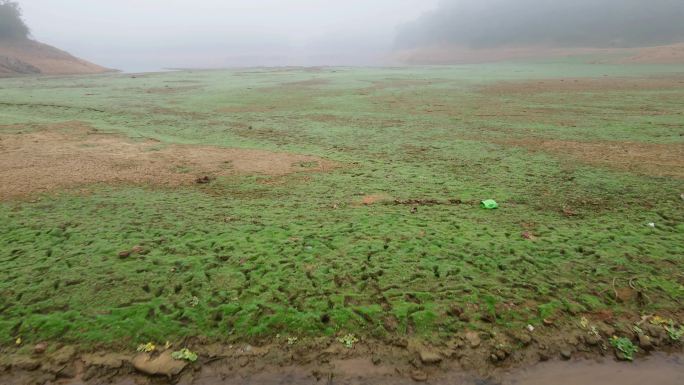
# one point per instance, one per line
(23, 56)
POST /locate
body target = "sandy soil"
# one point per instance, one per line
(72, 155)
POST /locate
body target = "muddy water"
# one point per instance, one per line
(658, 369)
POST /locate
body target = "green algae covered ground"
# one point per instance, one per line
(392, 242)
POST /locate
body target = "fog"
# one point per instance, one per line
(137, 35)
(575, 23)
(134, 35)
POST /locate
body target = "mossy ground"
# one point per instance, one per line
(253, 256)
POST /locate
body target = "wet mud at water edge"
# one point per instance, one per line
(660, 368)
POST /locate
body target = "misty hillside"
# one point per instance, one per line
(21, 55)
(484, 30)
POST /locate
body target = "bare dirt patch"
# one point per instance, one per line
(386, 84)
(171, 90)
(668, 54)
(641, 158)
(307, 83)
(71, 155)
(369, 200)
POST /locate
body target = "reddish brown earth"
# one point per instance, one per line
(24, 56)
(72, 155)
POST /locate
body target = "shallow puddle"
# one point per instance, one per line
(659, 369)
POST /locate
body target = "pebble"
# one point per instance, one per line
(419, 375)
(566, 353)
(645, 342)
(429, 357)
(473, 339)
(40, 348)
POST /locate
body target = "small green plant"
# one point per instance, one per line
(146, 348)
(184, 354)
(624, 346)
(675, 333)
(348, 341)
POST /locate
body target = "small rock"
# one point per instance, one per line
(64, 355)
(68, 371)
(25, 363)
(90, 373)
(419, 376)
(109, 361)
(40, 348)
(429, 357)
(455, 311)
(592, 340)
(566, 353)
(606, 330)
(124, 254)
(473, 339)
(162, 364)
(138, 250)
(645, 342)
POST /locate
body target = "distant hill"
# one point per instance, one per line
(26, 56)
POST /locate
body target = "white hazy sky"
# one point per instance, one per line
(138, 35)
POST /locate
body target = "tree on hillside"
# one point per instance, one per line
(11, 23)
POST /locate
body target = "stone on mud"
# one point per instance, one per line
(429, 357)
(419, 376)
(109, 361)
(162, 364)
(63, 355)
(25, 363)
(473, 339)
(566, 353)
(40, 348)
(645, 342)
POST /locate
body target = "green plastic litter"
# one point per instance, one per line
(489, 204)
